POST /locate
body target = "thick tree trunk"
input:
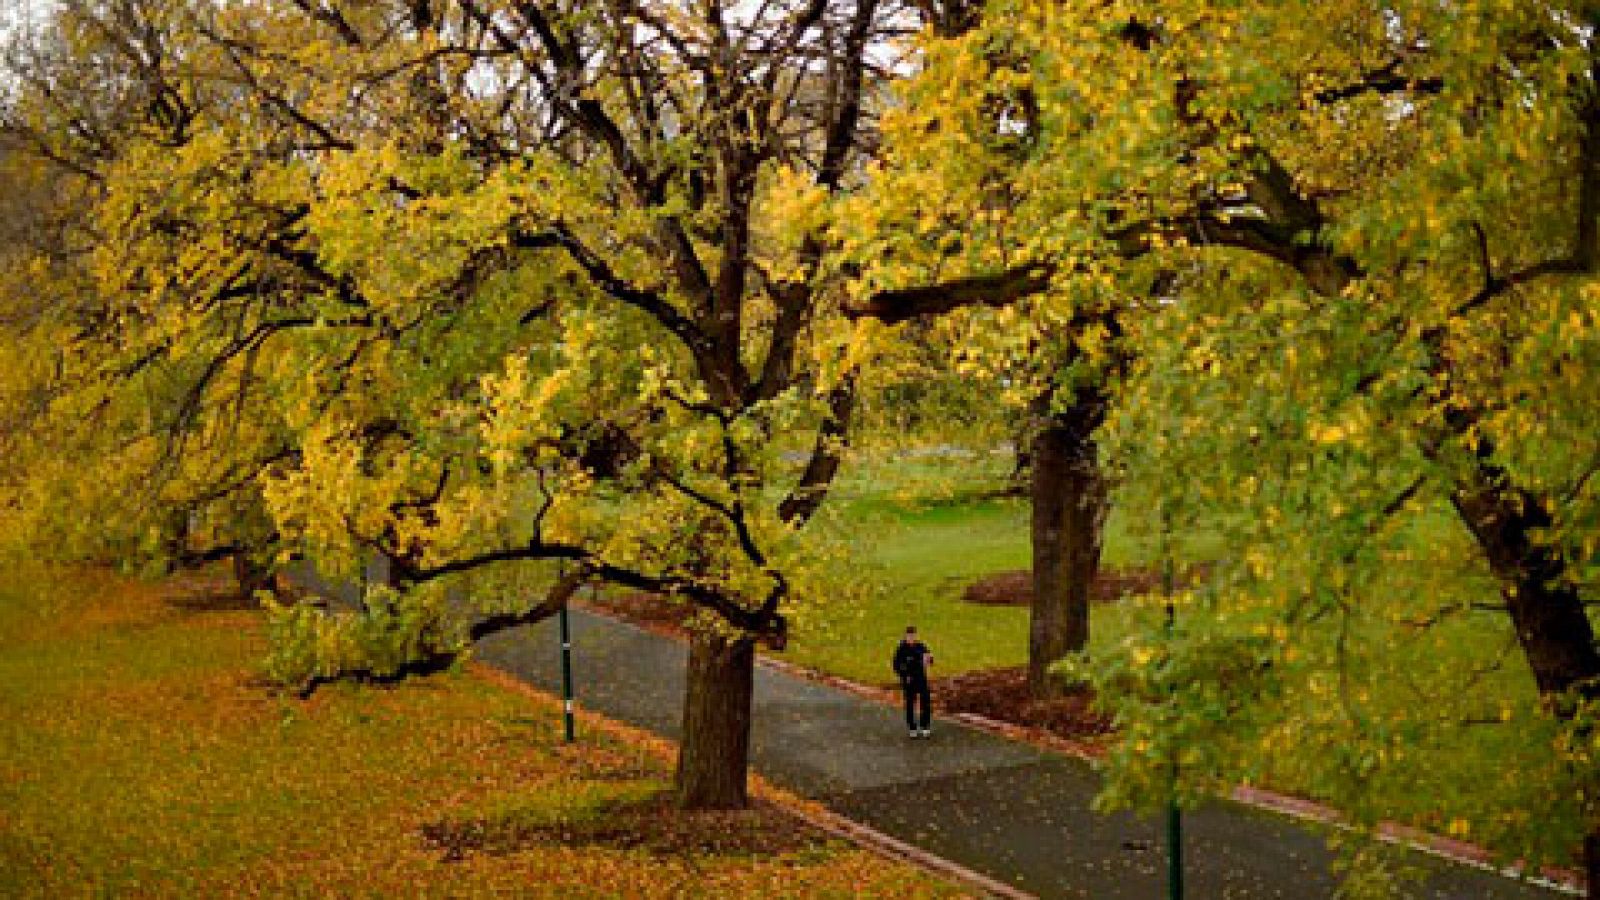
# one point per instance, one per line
(250, 575)
(1069, 510)
(1546, 610)
(1591, 862)
(714, 756)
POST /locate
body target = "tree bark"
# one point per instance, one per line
(1545, 607)
(713, 758)
(1591, 862)
(1069, 509)
(250, 574)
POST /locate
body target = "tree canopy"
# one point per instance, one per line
(1351, 252)
(466, 284)
(473, 283)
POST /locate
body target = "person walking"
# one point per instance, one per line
(911, 661)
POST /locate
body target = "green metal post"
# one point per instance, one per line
(1174, 814)
(569, 725)
(1174, 851)
(566, 675)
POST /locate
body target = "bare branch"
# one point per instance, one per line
(1002, 289)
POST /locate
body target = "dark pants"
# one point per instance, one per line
(915, 690)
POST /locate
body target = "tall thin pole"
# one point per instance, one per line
(566, 675)
(569, 724)
(1174, 814)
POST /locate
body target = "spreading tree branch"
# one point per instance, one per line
(826, 455)
(1002, 289)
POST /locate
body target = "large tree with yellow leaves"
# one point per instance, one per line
(483, 287)
(1351, 250)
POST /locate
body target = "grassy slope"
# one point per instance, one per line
(137, 755)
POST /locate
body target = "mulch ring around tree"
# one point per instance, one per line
(654, 824)
(1002, 695)
(1016, 588)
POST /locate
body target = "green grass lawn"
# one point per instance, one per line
(140, 755)
(925, 530)
(923, 560)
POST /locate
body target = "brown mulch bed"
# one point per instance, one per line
(1016, 588)
(1002, 695)
(655, 825)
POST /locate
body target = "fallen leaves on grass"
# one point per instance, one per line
(137, 757)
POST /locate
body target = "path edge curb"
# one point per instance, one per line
(890, 847)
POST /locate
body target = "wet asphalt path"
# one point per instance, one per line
(1003, 808)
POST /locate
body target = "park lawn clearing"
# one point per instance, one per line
(923, 532)
(140, 753)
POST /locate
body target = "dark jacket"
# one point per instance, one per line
(910, 661)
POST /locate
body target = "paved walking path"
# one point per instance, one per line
(1003, 808)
